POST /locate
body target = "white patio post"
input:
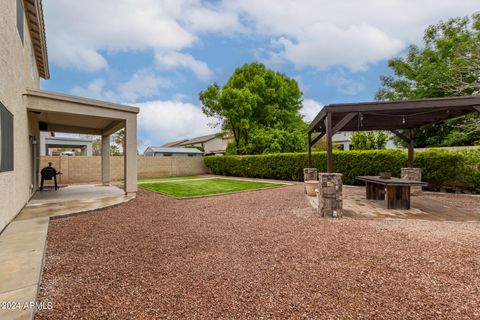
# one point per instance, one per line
(106, 160)
(130, 154)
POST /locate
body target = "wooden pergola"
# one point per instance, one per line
(386, 115)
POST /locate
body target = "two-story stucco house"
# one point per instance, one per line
(25, 110)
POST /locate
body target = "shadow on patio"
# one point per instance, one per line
(71, 200)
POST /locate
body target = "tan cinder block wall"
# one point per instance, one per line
(88, 169)
(17, 72)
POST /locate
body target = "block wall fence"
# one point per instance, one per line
(88, 169)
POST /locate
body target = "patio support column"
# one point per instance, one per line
(328, 126)
(130, 155)
(106, 160)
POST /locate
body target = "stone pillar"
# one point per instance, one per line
(414, 174)
(309, 174)
(330, 196)
(106, 160)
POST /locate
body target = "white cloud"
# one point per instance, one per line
(318, 33)
(163, 121)
(172, 60)
(95, 89)
(79, 31)
(310, 109)
(343, 84)
(213, 20)
(142, 84)
(325, 45)
(351, 33)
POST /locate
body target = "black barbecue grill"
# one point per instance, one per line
(49, 173)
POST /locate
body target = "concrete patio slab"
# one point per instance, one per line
(22, 249)
(75, 192)
(73, 200)
(21, 297)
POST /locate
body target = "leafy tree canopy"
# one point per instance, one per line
(260, 108)
(369, 140)
(448, 65)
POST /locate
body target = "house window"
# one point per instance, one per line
(6, 139)
(20, 19)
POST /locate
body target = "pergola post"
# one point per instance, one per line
(411, 137)
(130, 155)
(328, 126)
(309, 149)
(106, 160)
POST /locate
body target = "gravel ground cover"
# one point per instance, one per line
(260, 254)
(195, 188)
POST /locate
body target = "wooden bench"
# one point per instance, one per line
(395, 191)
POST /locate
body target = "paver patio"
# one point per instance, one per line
(432, 206)
(256, 254)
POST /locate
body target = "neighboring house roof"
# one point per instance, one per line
(34, 14)
(200, 139)
(173, 150)
(173, 143)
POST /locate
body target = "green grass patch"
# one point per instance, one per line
(164, 178)
(186, 189)
(168, 178)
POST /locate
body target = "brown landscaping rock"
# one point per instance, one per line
(259, 254)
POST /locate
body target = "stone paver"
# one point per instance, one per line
(425, 206)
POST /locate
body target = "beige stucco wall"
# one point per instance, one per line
(15, 76)
(88, 169)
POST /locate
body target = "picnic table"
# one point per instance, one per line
(395, 191)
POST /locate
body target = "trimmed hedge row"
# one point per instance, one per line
(438, 167)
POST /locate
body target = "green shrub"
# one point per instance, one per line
(441, 168)
(438, 167)
(289, 166)
(472, 168)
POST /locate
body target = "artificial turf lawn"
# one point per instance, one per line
(185, 189)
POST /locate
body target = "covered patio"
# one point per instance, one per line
(69, 114)
(402, 118)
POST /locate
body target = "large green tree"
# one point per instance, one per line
(260, 108)
(448, 65)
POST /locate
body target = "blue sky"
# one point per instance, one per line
(159, 55)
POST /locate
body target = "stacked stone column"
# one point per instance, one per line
(414, 174)
(330, 197)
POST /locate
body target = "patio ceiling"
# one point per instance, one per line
(64, 113)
